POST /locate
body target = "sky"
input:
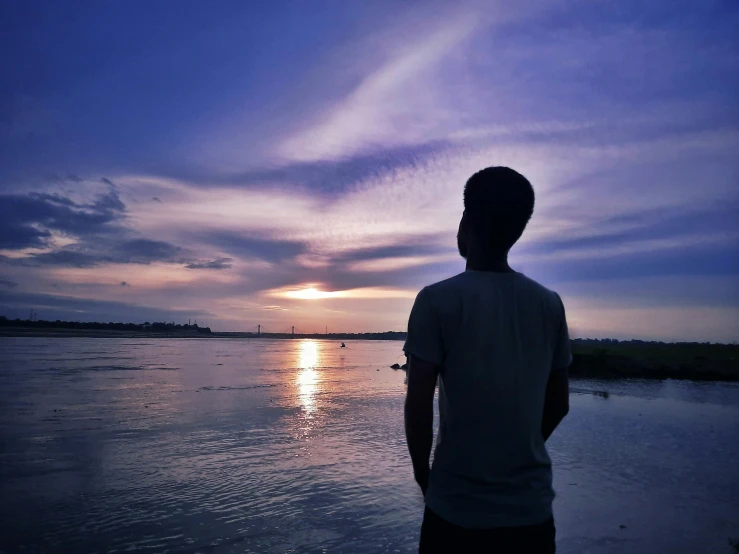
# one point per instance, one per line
(290, 163)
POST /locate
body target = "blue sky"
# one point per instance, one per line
(208, 160)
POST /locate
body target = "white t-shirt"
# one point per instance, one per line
(497, 337)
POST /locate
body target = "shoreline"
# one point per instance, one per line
(660, 361)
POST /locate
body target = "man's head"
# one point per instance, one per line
(498, 203)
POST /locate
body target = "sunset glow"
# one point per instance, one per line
(310, 293)
(313, 293)
(308, 183)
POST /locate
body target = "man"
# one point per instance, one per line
(498, 342)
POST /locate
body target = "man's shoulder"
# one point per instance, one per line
(462, 281)
(537, 288)
(445, 286)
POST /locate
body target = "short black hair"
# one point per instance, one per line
(498, 204)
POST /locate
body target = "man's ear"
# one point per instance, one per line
(462, 237)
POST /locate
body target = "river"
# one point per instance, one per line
(223, 445)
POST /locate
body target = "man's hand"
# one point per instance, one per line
(422, 478)
(556, 402)
(419, 416)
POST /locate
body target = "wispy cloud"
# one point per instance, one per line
(220, 263)
(395, 105)
(313, 291)
(7, 283)
(391, 264)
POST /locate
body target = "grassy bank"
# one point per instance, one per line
(696, 361)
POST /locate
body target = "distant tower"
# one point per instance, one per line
(327, 329)
(293, 329)
(188, 321)
(259, 329)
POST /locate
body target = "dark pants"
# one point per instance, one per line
(440, 536)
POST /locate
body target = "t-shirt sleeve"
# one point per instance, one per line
(562, 355)
(424, 332)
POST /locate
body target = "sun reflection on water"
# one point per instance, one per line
(307, 380)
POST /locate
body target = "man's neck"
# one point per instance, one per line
(492, 264)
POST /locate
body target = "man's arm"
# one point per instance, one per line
(556, 402)
(419, 416)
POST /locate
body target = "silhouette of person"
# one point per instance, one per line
(498, 342)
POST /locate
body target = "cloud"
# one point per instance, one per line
(312, 291)
(107, 251)
(52, 307)
(15, 237)
(719, 291)
(124, 284)
(397, 104)
(156, 199)
(107, 181)
(427, 246)
(69, 258)
(142, 251)
(29, 220)
(7, 283)
(75, 233)
(220, 263)
(408, 214)
(254, 246)
(339, 175)
(692, 260)
(153, 281)
(399, 262)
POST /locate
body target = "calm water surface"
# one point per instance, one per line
(204, 445)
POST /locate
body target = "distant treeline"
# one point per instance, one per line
(155, 327)
(632, 342)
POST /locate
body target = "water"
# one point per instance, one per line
(205, 445)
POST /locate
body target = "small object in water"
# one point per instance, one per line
(378, 370)
(342, 345)
(395, 366)
(622, 526)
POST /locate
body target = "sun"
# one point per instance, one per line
(310, 293)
